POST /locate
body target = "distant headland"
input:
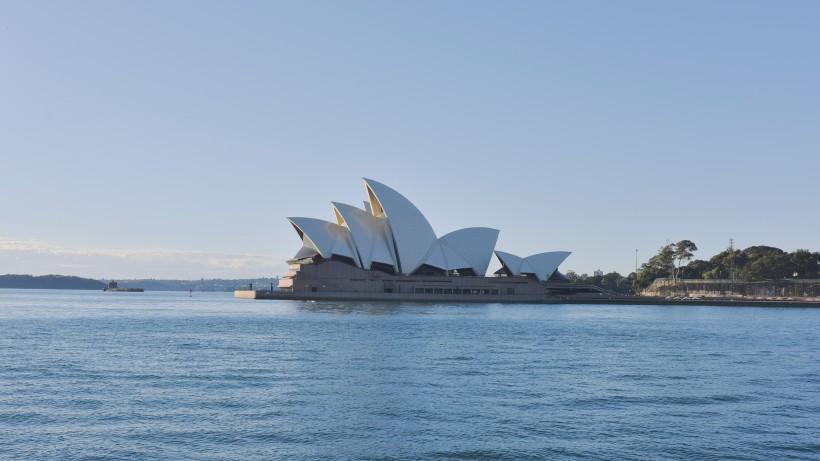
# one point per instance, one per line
(68, 282)
(52, 282)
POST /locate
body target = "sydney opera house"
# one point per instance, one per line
(389, 251)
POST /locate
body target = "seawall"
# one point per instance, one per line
(523, 299)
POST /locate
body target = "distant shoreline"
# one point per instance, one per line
(49, 282)
(65, 282)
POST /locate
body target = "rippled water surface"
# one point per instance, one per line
(93, 375)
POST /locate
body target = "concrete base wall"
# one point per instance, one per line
(337, 280)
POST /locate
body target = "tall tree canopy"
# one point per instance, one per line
(683, 252)
(659, 266)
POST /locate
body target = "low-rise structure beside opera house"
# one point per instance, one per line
(389, 251)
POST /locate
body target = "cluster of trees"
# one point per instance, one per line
(662, 265)
(612, 281)
(757, 263)
(752, 264)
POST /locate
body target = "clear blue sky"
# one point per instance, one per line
(171, 139)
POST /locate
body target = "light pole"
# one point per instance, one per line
(636, 262)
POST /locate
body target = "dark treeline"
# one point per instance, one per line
(755, 263)
(612, 281)
(56, 282)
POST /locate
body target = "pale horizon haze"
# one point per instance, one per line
(172, 139)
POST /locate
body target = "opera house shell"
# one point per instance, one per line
(388, 250)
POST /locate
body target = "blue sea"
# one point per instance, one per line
(167, 376)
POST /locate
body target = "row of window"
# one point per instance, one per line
(459, 291)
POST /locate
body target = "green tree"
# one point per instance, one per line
(695, 269)
(759, 251)
(683, 252)
(626, 284)
(805, 263)
(612, 281)
(659, 266)
(577, 278)
(770, 267)
(724, 264)
(761, 262)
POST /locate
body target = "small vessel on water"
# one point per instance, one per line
(112, 286)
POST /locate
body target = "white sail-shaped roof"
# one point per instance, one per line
(444, 257)
(307, 251)
(413, 236)
(391, 231)
(510, 261)
(474, 245)
(436, 258)
(325, 237)
(542, 265)
(370, 240)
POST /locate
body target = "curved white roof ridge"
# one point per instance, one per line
(307, 251)
(413, 235)
(542, 265)
(510, 261)
(444, 257)
(325, 237)
(473, 245)
(370, 240)
(545, 264)
(453, 258)
(436, 257)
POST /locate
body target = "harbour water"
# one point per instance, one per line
(93, 375)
